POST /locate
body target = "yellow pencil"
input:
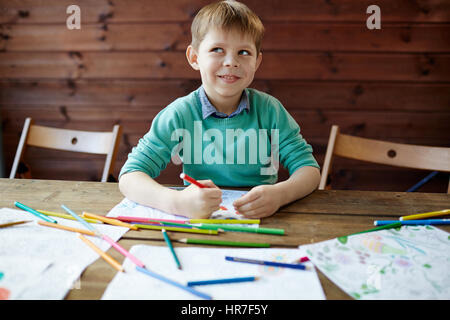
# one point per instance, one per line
(109, 220)
(58, 226)
(104, 255)
(167, 228)
(242, 221)
(66, 216)
(426, 215)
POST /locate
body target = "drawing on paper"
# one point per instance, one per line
(407, 263)
(130, 208)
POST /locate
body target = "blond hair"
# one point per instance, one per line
(227, 15)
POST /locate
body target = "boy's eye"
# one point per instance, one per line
(219, 50)
(244, 52)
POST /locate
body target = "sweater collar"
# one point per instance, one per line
(209, 110)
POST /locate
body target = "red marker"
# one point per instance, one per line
(184, 176)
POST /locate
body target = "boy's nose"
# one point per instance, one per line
(230, 61)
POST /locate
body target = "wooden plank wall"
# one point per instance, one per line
(319, 59)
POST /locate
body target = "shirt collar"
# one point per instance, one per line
(208, 109)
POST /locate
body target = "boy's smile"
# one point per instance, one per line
(227, 61)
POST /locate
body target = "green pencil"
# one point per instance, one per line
(241, 229)
(169, 244)
(32, 211)
(388, 226)
(225, 243)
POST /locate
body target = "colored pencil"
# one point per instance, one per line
(140, 219)
(225, 243)
(226, 221)
(423, 181)
(102, 254)
(32, 211)
(109, 220)
(193, 221)
(426, 215)
(169, 244)
(191, 180)
(116, 246)
(82, 221)
(414, 222)
(123, 251)
(59, 226)
(174, 283)
(9, 224)
(267, 263)
(168, 224)
(392, 224)
(301, 260)
(185, 240)
(65, 216)
(218, 281)
(243, 229)
(176, 229)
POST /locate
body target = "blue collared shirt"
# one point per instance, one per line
(208, 109)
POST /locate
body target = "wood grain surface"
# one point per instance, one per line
(320, 216)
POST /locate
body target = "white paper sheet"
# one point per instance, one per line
(129, 208)
(210, 263)
(67, 254)
(17, 273)
(412, 263)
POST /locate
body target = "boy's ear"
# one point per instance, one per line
(258, 60)
(192, 57)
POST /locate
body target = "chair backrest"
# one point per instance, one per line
(383, 152)
(69, 140)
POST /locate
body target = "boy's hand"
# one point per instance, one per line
(259, 202)
(199, 203)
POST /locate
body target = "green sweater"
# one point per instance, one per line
(233, 152)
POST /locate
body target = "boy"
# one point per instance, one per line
(225, 133)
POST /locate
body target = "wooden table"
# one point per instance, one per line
(321, 216)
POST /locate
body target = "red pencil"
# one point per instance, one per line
(184, 176)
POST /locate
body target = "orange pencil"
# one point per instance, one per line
(104, 255)
(59, 226)
(109, 220)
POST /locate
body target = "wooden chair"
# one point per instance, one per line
(69, 140)
(382, 152)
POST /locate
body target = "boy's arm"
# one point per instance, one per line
(192, 202)
(300, 184)
(263, 201)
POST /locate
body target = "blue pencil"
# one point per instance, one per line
(267, 263)
(217, 281)
(36, 213)
(174, 283)
(414, 222)
(81, 220)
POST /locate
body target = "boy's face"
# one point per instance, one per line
(227, 61)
